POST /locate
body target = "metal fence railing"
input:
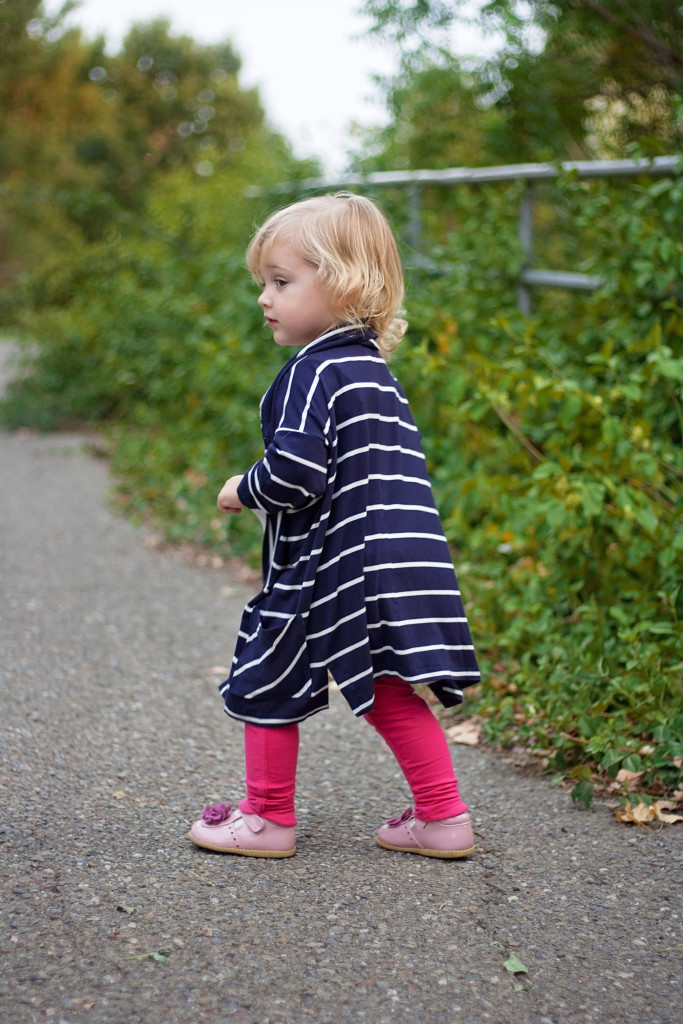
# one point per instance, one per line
(415, 181)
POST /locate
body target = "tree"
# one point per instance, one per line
(171, 103)
(571, 78)
(436, 121)
(46, 108)
(85, 136)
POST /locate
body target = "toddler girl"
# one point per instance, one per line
(357, 577)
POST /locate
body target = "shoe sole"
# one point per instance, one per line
(425, 852)
(243, 853)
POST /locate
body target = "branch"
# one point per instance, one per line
(640, 30)
(535, 453)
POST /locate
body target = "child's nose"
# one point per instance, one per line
(263, 299)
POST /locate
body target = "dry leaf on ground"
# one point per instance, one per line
(465, 732)
(642, 813)
(628, 779)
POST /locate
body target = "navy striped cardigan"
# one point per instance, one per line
(358, 579)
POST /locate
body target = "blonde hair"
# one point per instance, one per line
(349, 242)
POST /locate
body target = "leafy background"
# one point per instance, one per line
(553, 440)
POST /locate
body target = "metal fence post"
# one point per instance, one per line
(526, 240)
(415, 217)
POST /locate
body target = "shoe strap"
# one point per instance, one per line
(254, 822)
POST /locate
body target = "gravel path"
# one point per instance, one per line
(113, 738)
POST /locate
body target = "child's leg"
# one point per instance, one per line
(412, 733)
(270, 757)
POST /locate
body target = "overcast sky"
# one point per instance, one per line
(310, 59)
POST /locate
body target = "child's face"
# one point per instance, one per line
(294, 307)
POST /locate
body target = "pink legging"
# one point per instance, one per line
(405, 722)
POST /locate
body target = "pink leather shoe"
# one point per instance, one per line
(447, 838)
(227, 831)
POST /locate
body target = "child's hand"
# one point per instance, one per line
(227, 499)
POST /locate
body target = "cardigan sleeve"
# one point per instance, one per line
(294, 469)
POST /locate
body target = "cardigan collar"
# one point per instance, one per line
(338, 336)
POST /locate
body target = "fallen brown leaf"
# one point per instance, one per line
(639, 814)
(642, 813)
(667, 805)
(465, 732)
(628, 779)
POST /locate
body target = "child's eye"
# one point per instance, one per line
(280, 282)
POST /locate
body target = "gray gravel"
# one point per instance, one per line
(113, 738)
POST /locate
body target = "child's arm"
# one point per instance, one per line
(228, 499)
(293, 471)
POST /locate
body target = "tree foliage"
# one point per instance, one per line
(46, 109)
(570, 79)
(170, 103)
(436, 120)
(84, 134)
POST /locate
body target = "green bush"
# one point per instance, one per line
(554, 442)
(555, 450)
